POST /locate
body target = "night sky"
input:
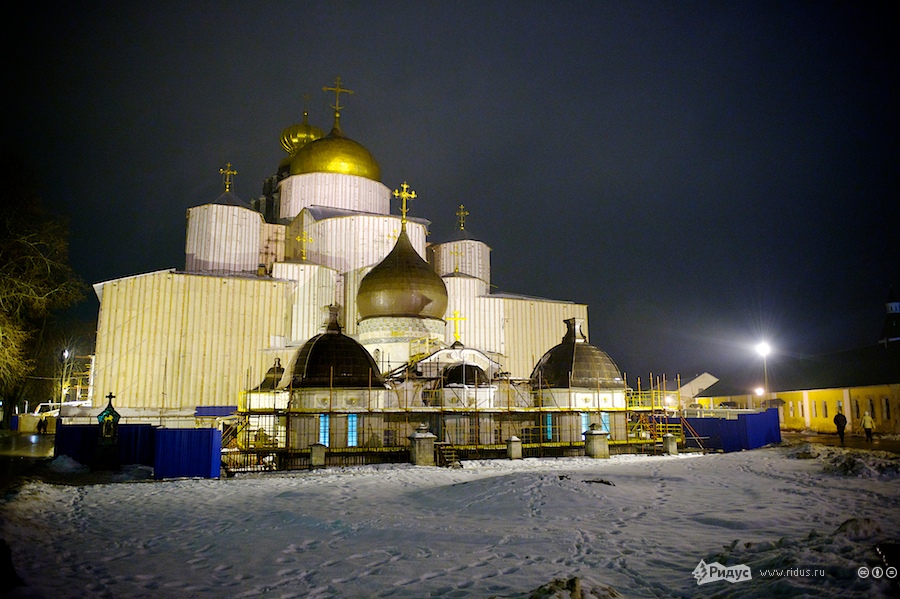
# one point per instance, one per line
(702, 174)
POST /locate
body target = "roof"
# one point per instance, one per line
(863, 367)
(324, 212)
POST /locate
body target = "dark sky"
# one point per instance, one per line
(701, 174)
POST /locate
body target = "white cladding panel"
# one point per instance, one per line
(222, 239)
(482, 318)
(531, 327)
(271, 246)
(350, 242)
(171, 341)
(348, 192)
(464, 256)
(314, 290)
(350, 316)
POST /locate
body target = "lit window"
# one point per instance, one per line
(351, 431)
(324, 429)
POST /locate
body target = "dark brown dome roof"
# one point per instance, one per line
(576, 363)
(332, 359)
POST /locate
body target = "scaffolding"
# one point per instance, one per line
(272, 430)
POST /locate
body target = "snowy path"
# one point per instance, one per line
(494, 528)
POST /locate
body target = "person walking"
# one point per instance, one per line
(840, 421)
(868, 424)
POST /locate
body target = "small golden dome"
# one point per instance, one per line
(402, 284)
(335, 153)
(296, 136)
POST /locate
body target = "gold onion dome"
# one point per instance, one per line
(296, 136)
(402, 284)
(335, 153)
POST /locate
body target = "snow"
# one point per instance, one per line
(631, 526)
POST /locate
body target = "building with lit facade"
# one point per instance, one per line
(809, 391)
(314, 315)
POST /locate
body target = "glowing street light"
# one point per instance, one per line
(763, 349)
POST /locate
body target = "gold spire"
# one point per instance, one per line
(461, 215)
(338, 90)
(404, 196)
(227, 176)
(303, 239)
(455, 319)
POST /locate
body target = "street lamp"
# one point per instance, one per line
(763, 349)
(62, 379)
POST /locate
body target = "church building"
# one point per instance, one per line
(315, 314)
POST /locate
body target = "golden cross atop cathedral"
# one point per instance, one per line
(338, 90)
(455, 319)
(404, 196)
(461, 215)
(227, 176)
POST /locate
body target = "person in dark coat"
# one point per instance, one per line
(840, 421)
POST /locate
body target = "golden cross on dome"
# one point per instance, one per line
(461, 215)
(338, 90)
(455, 320)
(227, 176)
(404, 196)
(303, 239)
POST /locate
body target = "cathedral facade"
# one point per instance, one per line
(248, 331)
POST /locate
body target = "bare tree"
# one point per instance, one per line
(35, 279)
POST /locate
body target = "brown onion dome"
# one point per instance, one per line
(402, 284)
(576, 363)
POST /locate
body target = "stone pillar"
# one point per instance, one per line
(514, 448)
(316, 455)
(421, 446)
(596, 443)
(670, 444)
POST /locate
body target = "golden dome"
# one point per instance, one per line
(335, 153)
(296, 136)
(402, 284)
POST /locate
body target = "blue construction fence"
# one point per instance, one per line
(171, 452)
(747, 431)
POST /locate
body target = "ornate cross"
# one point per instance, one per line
(303, 239)
(455, 320)
(404, 196)
(461, 215)
(227, 176)
(338, 90)
(110, 397)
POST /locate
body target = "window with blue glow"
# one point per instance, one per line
(351, 431)
(324, 429)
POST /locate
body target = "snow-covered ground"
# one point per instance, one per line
(629, 526)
